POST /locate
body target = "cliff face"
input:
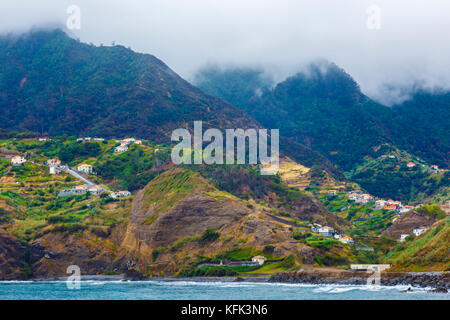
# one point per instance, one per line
(171, 217)
(53, 253)
(11, 257)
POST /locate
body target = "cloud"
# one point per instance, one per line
(409, 48)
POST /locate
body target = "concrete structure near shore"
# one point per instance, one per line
(374, 267)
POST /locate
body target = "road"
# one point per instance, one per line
(78, 176)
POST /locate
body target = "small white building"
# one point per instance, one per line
(18, 161)
(129, 140)
(259, 259)
(418, 231)
(403, 237)
(379, 204)
(326, 231)
(53, 162)
(121, 148)
(53, 170)
(120, 194)
(85, 168)
(364, 198)
(96, 190)
(346, 240)
(404, 209)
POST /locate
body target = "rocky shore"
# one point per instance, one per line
(438, 280)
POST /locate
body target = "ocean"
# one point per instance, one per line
(205, 290)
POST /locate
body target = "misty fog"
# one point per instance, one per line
(389, 49)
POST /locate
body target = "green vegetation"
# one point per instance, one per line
(424, 253)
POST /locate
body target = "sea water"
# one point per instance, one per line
(205, 290)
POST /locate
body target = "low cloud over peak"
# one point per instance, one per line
(404, 49)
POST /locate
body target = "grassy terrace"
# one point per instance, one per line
(29, 205)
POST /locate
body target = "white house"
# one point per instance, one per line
(326, 231)
(418, 231)
(53, 170)
(411, 165)
(332, 192)
(346, 240)
(259, 259)
(18, 161)
(129, 140)
(121, 148)
(53, 162)
(403, 237)
(353, 196)
(404, 209)
(120, 194)
(96, 190)
(379, 204)
(85, 168)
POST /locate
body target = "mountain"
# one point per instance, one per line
(54, 85)
(421, 125)
(324, 108)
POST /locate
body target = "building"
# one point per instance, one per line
(364, 267)
(332, 192)
(259, 259)
(53, 170)
(99, 139)
(390, 207)
(434, 167)
(353, 196)
(364, 198)
(403, 237)
(326, 231)
(129, 140)
(404, 209)
(53, 162)
(379, 204)
(18, 161)
(85, 168)
(138, 142)
(418, 231)
(121, 148)
(81, 188)
(96, 190)
(346, 240)
(411, 165)
(120, 194)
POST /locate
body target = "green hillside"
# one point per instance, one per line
(429, 251)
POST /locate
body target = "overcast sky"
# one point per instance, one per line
(409, 43)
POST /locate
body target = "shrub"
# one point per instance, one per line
(209, 236)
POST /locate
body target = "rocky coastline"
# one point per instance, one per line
(438, 280)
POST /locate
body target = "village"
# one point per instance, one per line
(82, 171)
